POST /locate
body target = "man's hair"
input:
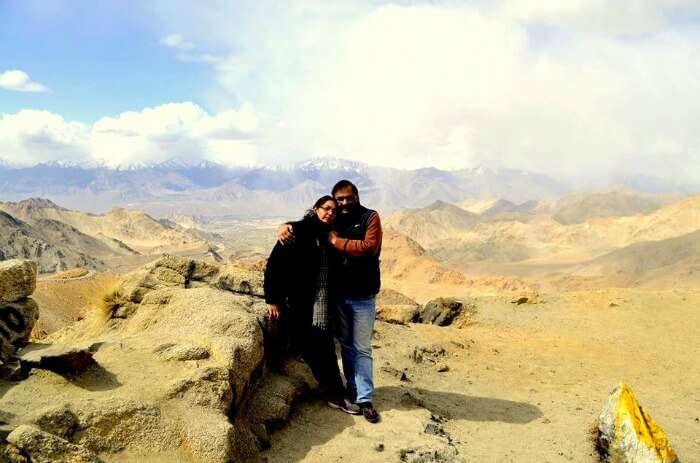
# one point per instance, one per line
(343, 184)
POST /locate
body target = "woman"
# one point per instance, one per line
(299, 289)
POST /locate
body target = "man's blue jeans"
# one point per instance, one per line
(355, 326)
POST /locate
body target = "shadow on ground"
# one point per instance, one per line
(456, 406)
(314, 420)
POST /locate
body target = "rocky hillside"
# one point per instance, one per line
(53, 245)
(123, 230)
(577, 208)
(448, 233)
(669, 263)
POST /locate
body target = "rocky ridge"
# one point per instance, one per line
(178, 375)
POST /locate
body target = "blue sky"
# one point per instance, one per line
(573, 88)
(97, 59)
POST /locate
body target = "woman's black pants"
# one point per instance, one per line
(289, 335)
(318, 350)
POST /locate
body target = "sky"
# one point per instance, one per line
(574, 88)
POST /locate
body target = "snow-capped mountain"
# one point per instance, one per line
(207, 188)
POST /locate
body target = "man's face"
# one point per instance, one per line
(347, 200)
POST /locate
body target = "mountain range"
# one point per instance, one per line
(210, 189)
(537, 235)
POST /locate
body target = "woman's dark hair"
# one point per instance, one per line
(319, 202)
(323, 199)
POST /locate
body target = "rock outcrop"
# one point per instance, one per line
(443, 311)
(626, 433)
(18, 312)
(179, 272)
(179, 373)
(395, 307)
(17, 280)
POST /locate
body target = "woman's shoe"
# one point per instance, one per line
(345, 405)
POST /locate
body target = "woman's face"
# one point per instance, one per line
(326, 212)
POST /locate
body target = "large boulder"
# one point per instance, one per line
(16, 322)
(171, 375)
(626, 433)
(180, 272)
(395, 307)
(441, 311)
(17, 280)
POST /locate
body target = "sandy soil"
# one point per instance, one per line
(65, 300)
(525, 383)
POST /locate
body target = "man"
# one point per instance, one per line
(359, 240)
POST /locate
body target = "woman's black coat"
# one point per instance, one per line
(292, 270)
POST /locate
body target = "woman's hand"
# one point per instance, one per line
(273, 310)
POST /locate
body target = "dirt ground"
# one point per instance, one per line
(525, 382)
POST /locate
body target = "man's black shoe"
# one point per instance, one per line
(369, 412)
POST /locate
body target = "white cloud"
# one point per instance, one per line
(186, 50)
(31, 137)
(20, 81)
(573, 87)
(179, 130)
(627, 17)
(176, 41)
(152, 135)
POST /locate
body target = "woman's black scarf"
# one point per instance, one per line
(321, 318)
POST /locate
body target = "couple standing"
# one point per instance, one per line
(322, 277)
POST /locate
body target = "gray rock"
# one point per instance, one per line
(442, 367)
(16, 322)
(43, 447)
(428, 353)
(17, 279)
(59, 421)
(240, 279)
(441, 311)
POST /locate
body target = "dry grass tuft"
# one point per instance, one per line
(111, 301)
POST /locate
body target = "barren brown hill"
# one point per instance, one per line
(132, 228)
(670, 263)
(439, 221)
(579, 207)
(408, 268)
(542, 239)
(53, 245)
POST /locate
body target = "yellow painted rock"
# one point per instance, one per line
(627, 434)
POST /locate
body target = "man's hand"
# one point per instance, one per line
(332, 237)
(285, 233)
(273, 311)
